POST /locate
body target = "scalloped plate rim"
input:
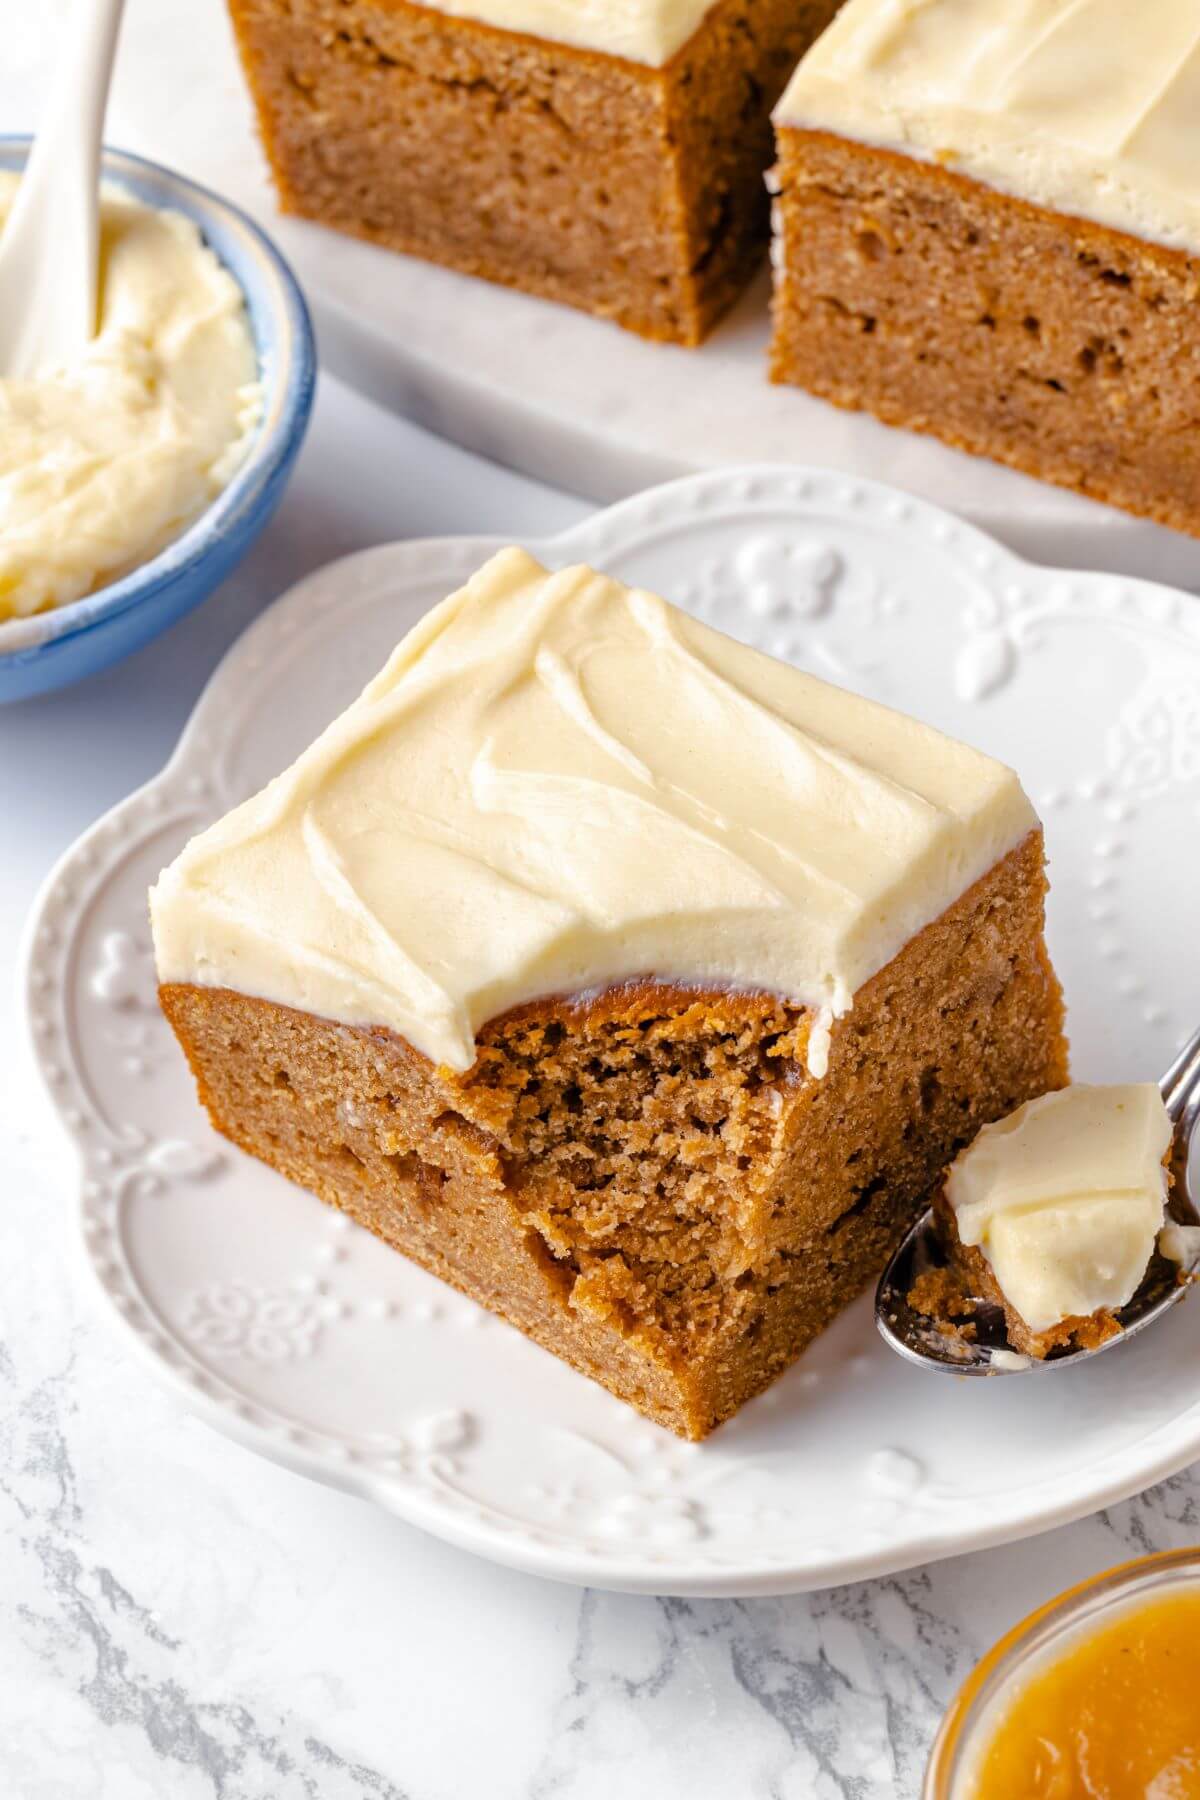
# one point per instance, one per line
(669, 1571)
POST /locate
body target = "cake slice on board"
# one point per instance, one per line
(988, 228)
(607, 155)
(635, 983)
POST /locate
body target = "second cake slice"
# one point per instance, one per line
(607, 155)
(638, 985)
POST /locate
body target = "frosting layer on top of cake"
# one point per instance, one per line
(558, 783)
(1088, 107)
(643, 31)
(1065, 1198)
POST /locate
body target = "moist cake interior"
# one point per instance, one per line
(649, 1182)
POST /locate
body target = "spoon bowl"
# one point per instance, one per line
(916, 1337)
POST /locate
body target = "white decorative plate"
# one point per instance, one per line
(565, 397)
(291, 1330)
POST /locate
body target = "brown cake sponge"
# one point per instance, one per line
(648, 1181)
(1067, 349)
(633, 192)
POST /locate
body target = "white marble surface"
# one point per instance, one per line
(180, 1619)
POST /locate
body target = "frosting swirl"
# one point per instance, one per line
(559, 783)
(1087, 107)
(641, 31)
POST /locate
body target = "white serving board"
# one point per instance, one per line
(561, 396)
(314, 1344)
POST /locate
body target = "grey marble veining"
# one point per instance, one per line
(70, 1622)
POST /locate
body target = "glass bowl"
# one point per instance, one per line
(974, 1715)
(55, 648)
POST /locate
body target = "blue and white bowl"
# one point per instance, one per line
(55, 648)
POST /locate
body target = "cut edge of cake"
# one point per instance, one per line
(452, 1170)
(629, 190)
(948, 257)
(1056, 345)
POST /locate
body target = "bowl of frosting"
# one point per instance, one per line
(134, 477)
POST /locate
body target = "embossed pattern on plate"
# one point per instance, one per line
(295, 1332)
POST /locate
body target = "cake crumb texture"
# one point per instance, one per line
(1064, 348)
(648, 1182)
(633, 192)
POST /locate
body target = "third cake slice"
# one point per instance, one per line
(637, 984)
(989, 229)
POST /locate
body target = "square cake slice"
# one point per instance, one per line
(605, 153)
(638, 985)
(988, 228)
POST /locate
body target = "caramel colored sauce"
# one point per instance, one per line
(1115, 1717)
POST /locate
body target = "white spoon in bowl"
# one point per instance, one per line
(50, 245)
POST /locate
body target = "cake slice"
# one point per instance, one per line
(605, 153)
(638, 985)
(1055, 1212)
(988, 228)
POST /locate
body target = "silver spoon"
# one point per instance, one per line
(914, 1336)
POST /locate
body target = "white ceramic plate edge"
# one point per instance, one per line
(1171, 1447)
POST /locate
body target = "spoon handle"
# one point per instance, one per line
(1182, 1079)
(49, 250)
(1180, 1089)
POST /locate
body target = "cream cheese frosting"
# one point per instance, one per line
(642, 31)
(104, 461)
(1088, 107)
(1065, 1198)
(559, 783)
